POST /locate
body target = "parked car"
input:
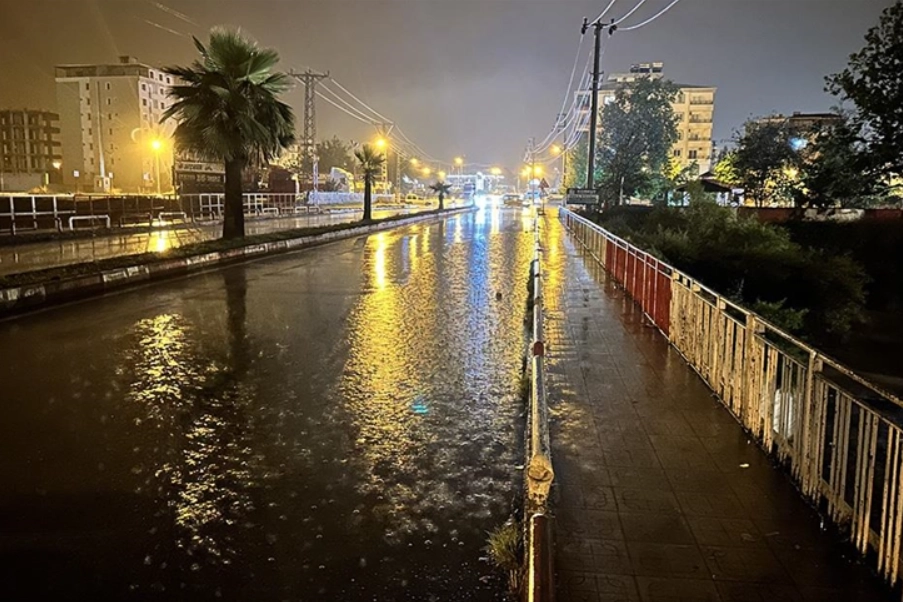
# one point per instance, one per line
(412, 198)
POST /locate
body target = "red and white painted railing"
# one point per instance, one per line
(839, 436)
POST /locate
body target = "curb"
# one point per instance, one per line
(19, 299)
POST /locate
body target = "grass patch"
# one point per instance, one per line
(122, 261)
(505, 547)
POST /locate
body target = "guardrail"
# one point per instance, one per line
(540, 574)
(837, 434)
(19, 212)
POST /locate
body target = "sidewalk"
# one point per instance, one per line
(659, 494)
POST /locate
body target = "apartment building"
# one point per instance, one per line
(112, 138)
(29, 149)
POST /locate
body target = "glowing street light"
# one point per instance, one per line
(414, 161)
(556, 150)
(426, 171)
(442, 175)
(381, 143)
(459, 161)
(157, 146)
(495, 171)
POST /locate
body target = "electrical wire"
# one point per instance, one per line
(362, 103)
(341, 108)
(351, 107)
(633, 10)
(607, 8)
(650, 19)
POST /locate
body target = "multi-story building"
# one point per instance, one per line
(29, 149)
(111, 132)
(694, 107)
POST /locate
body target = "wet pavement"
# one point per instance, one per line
(35, 256)
(340, 423)
(660, 495)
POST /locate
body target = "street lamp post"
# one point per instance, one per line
(157, 146)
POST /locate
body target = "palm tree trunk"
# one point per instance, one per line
(441, 201)
(368, 199)
(234, 214)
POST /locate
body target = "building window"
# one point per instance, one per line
(107, 85)
(692, 154)
(168, 81)
(143, 102)
(111, 131)
(144, 87)
(156, 105)
(680, 135)
(88, 87)
(677, 153)
(90, 132)
(88, 100)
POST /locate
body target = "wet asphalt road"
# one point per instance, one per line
(341, 423)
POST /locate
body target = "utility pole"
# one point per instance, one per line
(594, 99)
(532, 170)
(308, 143)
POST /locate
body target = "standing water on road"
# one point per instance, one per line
(341, 423)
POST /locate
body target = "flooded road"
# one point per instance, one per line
(341, 423)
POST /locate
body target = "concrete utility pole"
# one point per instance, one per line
(594, 100)
(308, 143)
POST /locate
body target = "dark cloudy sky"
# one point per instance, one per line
(474, 77)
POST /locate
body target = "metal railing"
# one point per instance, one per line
(539, 569)
(34, 212)
(837, 434)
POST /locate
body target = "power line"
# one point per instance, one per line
(633, 10)
(343, 109)
(607, 8)
(361, 102)
(363, 116)
(652, 18)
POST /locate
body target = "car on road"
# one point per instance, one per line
(512, 199)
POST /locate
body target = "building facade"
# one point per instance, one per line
(112, 138)
(29, 150)
(694, 107)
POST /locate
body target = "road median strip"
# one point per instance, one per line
(29, 290)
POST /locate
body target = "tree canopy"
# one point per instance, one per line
(637, 130)
(765, 161)
(872, 82)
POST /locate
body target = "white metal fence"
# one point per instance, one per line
(838, 435)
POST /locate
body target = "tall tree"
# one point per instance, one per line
(637, 131)
(835, 167)
(765, 160)
(330, 153)
(872, 82)
(576, 160)
(442, 189)
(229, 110)
(371, 162)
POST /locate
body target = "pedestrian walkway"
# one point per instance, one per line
(659, 493)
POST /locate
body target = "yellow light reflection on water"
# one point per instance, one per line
(459, 230)
(379, 260)
(160, 241)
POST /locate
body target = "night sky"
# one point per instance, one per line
(474, 77)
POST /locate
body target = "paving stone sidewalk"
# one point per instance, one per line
(660, 495)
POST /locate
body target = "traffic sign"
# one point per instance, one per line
(543, 184)
(581, 196)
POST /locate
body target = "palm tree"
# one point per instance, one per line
(228, 110)
(442, 189)
(371, 164)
